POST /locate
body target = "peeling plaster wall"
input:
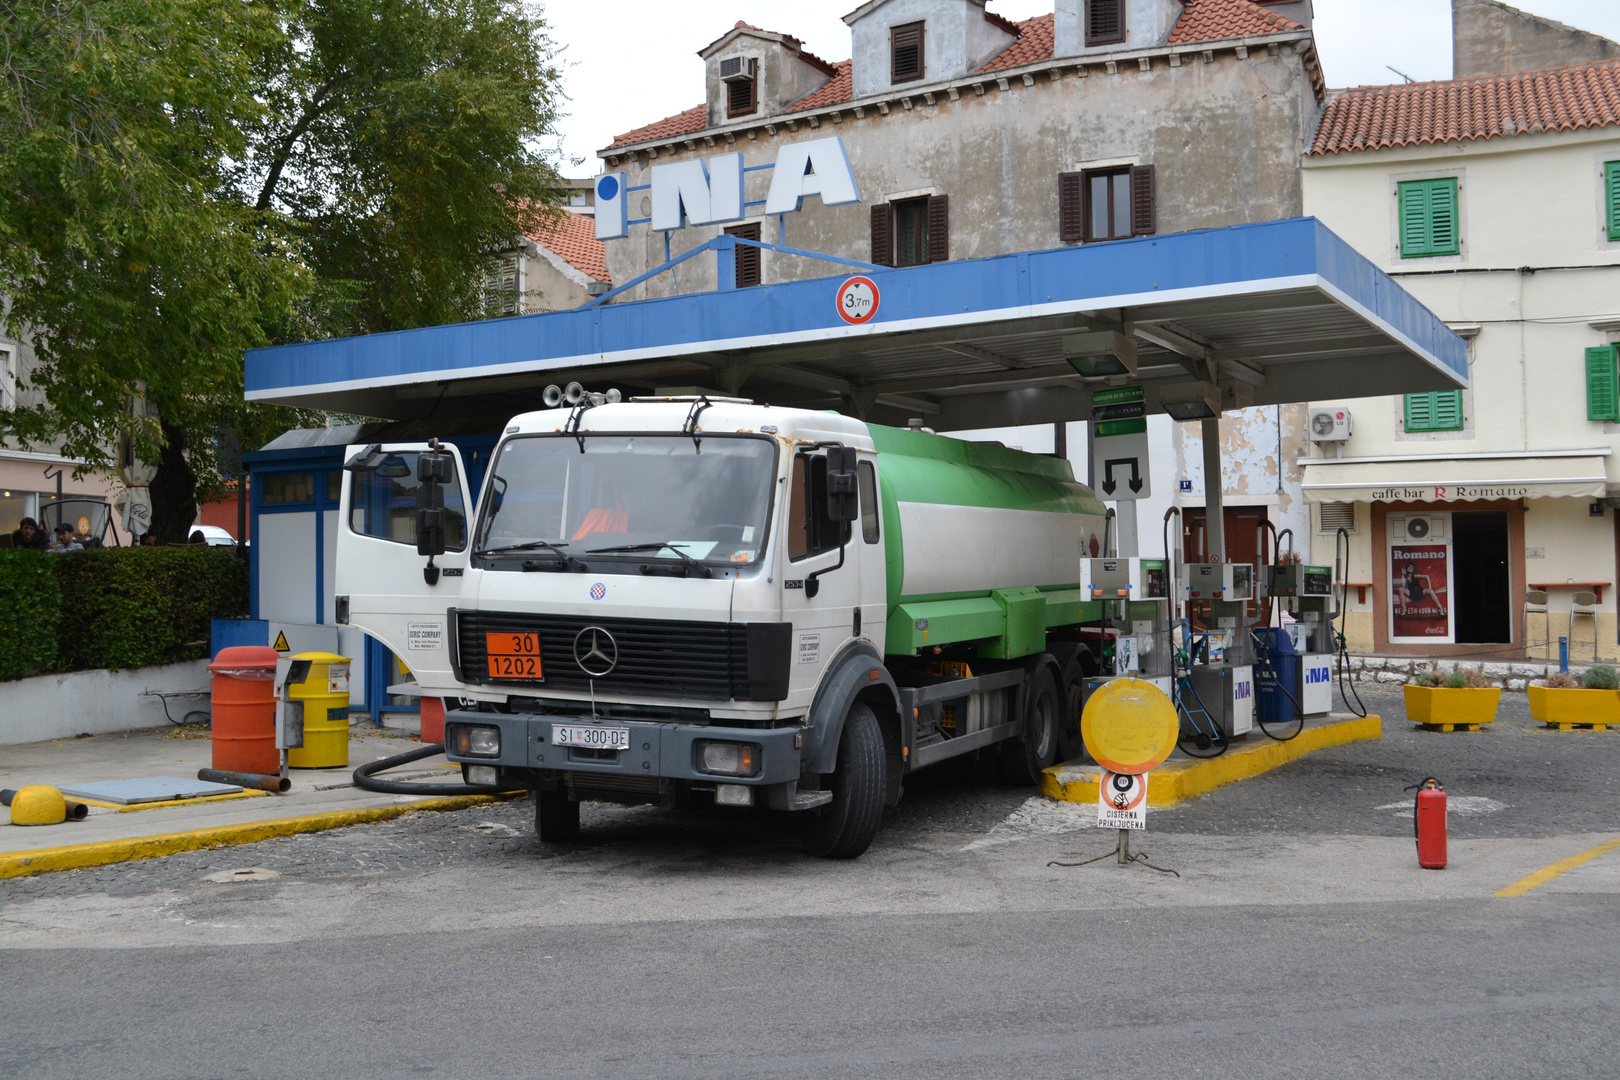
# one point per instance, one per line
(1250, 465)
(1225, 137)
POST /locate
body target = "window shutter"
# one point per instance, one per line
(1443, 230)
(1419, 412)
(748, 273)
(1071, 206)
(1414, 210)
(1611, 185)
(1144, 221)
(1448, 411)
(1105, 22)
(939, 228)
(906, 52)
(883, 234)
(740, 99)
(1602, 384)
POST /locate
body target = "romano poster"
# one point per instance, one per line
(1420, 581)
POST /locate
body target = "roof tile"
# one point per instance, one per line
(1414, 114)
(836, 89)
(682, 123)
(573, 236)
(1034, 44)
(1217, 20)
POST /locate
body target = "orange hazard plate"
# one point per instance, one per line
(513, 656)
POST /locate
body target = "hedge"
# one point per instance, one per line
(116, 607)
(30, 609)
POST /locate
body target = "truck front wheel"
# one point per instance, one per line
(845, 828)
(556, 816)
(1024, 760)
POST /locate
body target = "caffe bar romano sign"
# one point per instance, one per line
(1392, 480)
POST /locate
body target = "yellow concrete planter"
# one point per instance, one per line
(1444, 705)
(1573, 705)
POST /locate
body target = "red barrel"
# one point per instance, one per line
(432, 719)
(244, 709)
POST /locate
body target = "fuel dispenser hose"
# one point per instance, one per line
(1347, 688)
(364, 778)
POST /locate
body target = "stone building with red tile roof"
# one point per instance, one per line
(556, 265)
(971, 133)
(1495, 200)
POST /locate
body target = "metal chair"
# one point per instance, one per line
(1535, 603)
(1584, 603)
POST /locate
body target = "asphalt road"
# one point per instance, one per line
(1299, 939)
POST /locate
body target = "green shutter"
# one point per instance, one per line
(1428, 211)
(1439, 411)
(1611, 185)
(1602, 384)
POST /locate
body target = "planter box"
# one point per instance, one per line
(1573, 705)
(1445, 705)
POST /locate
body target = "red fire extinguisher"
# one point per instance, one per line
(1429, 824)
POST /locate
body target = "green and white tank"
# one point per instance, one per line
(983, 543)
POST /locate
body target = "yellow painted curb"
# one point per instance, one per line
(1176, 781)
(129, 808)
(78, 856)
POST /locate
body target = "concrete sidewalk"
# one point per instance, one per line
(319, 799)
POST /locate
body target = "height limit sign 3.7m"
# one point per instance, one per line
(1119, 446)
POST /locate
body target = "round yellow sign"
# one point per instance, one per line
(1129, 726)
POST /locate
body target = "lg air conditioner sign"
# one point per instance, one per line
(710, 192)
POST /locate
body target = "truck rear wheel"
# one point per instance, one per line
(845, 828)
(1069, 743)
(1024, 760)
(556, 816)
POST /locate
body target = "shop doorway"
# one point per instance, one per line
(1242, 542)
(1482, 587)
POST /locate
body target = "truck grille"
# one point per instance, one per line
(705, 661)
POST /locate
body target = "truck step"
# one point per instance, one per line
(809, 800)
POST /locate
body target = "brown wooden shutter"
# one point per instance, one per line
(1144, 221)
(1105, 22)
(906, 52)
(939, 228)
(747, 257)
(1071, 206)
(883, 234)
(740, 97)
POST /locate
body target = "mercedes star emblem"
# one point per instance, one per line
(595, 651)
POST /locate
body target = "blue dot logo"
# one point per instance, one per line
(607, 188)
(598, 591)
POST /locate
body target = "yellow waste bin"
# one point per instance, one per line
(323, 699)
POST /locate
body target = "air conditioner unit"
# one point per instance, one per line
(1331, 425)
(738, 68)
(1418, 527)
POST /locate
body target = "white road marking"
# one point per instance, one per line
(1461, 805)
(1040, 816)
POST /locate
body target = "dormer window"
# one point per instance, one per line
(1105, 22)
(740, 74)
(906, 53)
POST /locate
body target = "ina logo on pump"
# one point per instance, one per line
(598, 591)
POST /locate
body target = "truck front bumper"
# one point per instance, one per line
(657, 751)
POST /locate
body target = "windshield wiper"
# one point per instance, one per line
(568, 561)
(693, 566)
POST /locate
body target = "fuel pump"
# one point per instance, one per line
(1306, 593)
(1223, 676)
(1135, 598)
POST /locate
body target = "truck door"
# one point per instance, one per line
(384, 586)
(819, 597)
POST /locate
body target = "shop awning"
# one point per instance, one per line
(1566, 474)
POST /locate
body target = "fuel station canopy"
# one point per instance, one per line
(1270, 313)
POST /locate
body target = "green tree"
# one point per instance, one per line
(184, 179)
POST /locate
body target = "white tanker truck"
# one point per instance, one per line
(682, 600)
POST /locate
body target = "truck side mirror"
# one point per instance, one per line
(432, 473)
(843, 499)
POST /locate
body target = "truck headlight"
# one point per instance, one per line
(475, 741)
(728, 758)
(486, 775)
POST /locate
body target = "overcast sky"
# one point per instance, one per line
(630, 62)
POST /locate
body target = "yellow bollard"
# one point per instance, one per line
(324, 698)
(38, 804)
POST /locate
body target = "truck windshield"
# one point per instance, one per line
(626, 490)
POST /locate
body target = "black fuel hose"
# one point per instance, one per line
(363, 777)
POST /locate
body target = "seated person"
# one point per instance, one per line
(29, 535)
(65, 540)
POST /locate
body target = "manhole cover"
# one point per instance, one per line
(250, 873)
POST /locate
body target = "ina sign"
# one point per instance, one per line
(711, 192)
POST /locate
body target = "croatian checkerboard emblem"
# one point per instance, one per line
(598, 591)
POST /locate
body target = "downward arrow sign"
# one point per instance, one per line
(1109, 485)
